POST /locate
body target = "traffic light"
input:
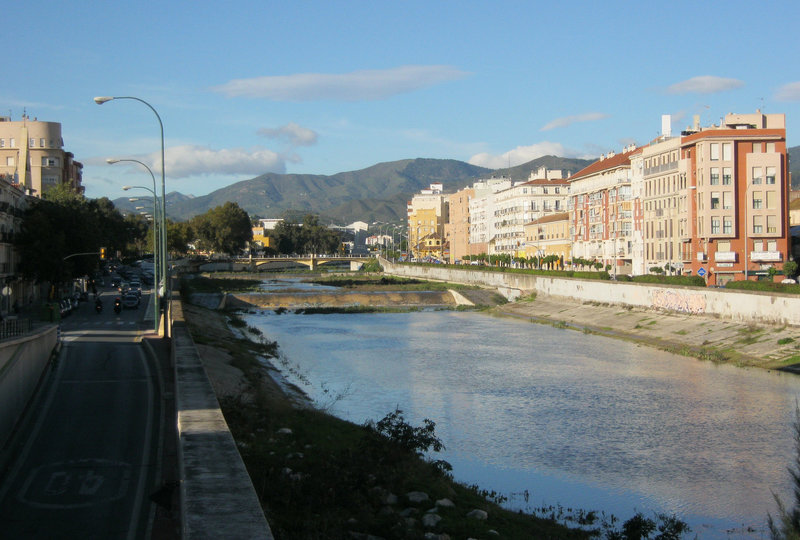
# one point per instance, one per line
(102, 253)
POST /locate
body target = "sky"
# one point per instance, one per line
(320, 87)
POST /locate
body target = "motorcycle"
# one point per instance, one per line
(117, 306)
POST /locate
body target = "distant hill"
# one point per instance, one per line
(377, 193)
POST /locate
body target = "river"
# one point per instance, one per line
(551, 416)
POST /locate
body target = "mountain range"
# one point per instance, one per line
(377, 193)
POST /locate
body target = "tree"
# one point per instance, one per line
(224, 229)
(789, 268)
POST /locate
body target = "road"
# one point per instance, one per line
(89, 456)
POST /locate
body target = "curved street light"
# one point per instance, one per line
(154, 218)
(103, 99)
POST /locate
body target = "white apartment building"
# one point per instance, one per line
(32, 155)
(481, 206)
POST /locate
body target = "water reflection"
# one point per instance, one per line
(577, 419)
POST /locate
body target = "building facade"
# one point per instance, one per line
(737, 184)
(456, 229)
(32, 155)
(549, 236)
(427, 213)
(602, 212)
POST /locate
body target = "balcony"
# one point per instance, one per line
(766, 256)
(725, 256)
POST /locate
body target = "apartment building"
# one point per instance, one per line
(32, 155)
(664, 203)
(456, 229)
(546, 192)
(427, 212)
(737, 185)
(481, 206)
(602, 211)
(549, 235)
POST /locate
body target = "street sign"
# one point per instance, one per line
(701, 272)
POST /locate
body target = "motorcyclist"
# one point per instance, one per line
(98, 305)
(117, 305)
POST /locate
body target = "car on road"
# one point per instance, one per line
(130, 301)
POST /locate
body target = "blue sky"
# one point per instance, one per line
(245, 88)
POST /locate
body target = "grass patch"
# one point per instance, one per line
(785, 341)
(681, 332)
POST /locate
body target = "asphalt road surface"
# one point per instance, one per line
(87, 458)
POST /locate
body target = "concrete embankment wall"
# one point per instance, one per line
(740, 306)
(217, 496)
(339, 299)
(23, 362)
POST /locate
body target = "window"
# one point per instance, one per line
(32, 143)
(714, 151)
(770, 147)
(772, 224)
(757, 172)
(2, 143)
(756, 200)
(727, 200)
(41, 143)
(772, 198)
(13, 143)
(727, 228)
(714, 225)
(10, 161)
(758, 224)
(715, 200)
(726, 151)
(770, 175)
(772, 245)
(726, 176)
(714, 176)
(724, 245)
(756, 147)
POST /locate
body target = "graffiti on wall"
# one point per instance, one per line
(679, 301)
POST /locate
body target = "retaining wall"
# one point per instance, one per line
(741, 306)
(217, 496)
(23, 362)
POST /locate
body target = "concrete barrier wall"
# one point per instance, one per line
(23, 362)
(741, 306)
(217, 495)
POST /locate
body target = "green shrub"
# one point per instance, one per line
(766, 286)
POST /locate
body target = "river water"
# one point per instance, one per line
(569, 418)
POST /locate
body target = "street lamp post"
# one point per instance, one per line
(164, 263)
(158, 224)
(155, 247)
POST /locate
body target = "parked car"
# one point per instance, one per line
(130, 301)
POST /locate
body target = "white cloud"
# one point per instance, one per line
(190, 160)
(292, 133)
(568, 120)
(788, 92)
(520, 155)
(354, 86)
(706, 84)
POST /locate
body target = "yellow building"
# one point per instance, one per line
(260, 239)
(549, 235)
(32, 156)
(427, 213)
